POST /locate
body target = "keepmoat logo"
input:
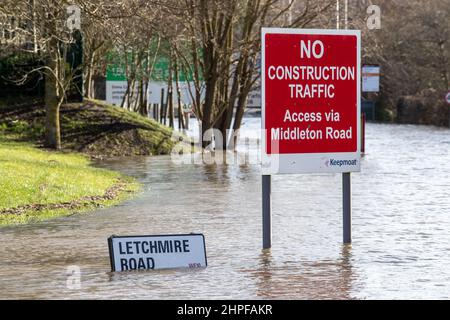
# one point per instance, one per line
(340, 163)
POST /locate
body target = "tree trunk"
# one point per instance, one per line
(145, 105)
(52, 128)
(242, 102)
(177, 86)
(170, 94)
(161, 107)
(90, 71)
(141, 102)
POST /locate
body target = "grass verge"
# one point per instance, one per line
(92, 127)
(38, 184)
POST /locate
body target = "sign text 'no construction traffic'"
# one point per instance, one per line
(310, 100)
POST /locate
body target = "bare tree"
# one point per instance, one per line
(45, 23)
(223, 38)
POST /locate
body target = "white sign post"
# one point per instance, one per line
(157, 252)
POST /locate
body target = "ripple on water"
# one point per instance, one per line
(401, 218)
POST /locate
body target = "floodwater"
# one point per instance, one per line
(401, 230)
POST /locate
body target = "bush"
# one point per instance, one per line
(13, 68)
(426, 108)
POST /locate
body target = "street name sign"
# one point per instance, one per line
(157, 252)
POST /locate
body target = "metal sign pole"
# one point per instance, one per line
(447, 99)
(187, 117)
(346, 178)
(337, 14)
(266, 211)
(347, 207)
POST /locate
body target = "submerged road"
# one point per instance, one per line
(401, 230)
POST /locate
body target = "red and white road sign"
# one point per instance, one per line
(310, 100)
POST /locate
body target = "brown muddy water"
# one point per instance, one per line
(401, 230)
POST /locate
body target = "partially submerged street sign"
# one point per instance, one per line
(157, 252)
(310, 100)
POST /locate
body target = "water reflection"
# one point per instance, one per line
(327, 279)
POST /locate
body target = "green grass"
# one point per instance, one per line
(92, 127)
(30, 176)
(132, 117)
(35, 183)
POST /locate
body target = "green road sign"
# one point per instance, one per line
(117, 71)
